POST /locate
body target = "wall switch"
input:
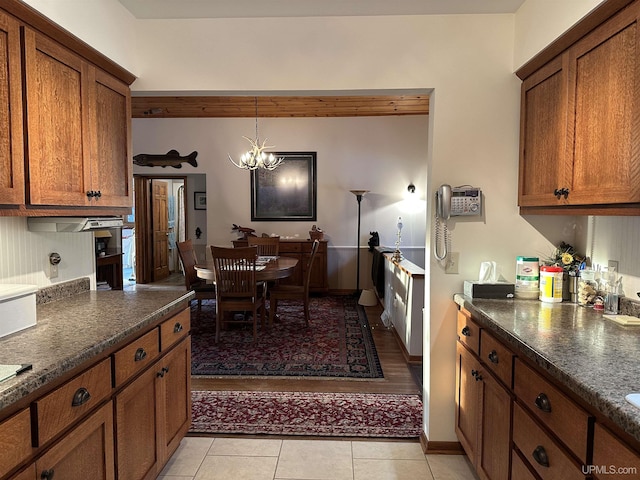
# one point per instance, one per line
(452, 263)
(613, 264)
(53, 271)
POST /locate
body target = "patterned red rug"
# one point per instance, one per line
(315, 414)
(337, 343)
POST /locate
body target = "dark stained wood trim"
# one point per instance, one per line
(441, 448)
(592, 20)
(278, 106)
(34, 19)
(57, 211)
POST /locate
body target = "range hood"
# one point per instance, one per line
(71, 224)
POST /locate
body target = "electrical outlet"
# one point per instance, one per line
(613, 264)
(452, 263)
(53, 271)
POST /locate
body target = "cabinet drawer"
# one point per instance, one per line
(546, 457)
(136, 356)
(612, 459)
(290, 247)
(555, 410)
(468, 331)
(174, 329)
(496, 357)
(60, 408)
(15, 440)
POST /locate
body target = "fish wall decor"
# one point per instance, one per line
(170, 159)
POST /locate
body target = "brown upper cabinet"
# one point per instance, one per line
(11, 151)
(580, 116)
(77, 118)
(77, 124)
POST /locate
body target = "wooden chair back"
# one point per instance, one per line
(235, 271)
(267, 246)
(307, 280)
(188, 258)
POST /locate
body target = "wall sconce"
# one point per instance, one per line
(411, 188)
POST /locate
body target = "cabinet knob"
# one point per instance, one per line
(47, 474)
(543, 403)
(493, 356)
(466, 331)
(476, 374)
(540, 456)
(140, 355)
(557, 193)
(177, 328)
(91, 194)
(81, 397)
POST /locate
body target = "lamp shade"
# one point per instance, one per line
(368, 298)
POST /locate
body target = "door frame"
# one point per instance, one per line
(143, 222)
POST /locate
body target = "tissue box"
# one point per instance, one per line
(476, 289)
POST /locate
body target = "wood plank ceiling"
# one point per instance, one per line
(278, 106)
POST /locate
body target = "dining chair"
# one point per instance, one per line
(202, 289)
(236, 287)
(267, 246)
(294, 292)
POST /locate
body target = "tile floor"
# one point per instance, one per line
(246, 458)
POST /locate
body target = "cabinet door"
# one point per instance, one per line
(543, 138)
(468, 389)
(86, 452)
(111, 171)
(137, 428)
(174, 404)
(495, 446)
(605, 72)
(58, 115)
(11, 146)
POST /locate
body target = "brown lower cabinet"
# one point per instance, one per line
(127, 429)
(483, 415)
(515, 423)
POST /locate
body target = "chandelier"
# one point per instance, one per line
(256, 157)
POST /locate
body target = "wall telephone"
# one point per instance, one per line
(453, 201)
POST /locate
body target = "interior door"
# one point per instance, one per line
(160, 225)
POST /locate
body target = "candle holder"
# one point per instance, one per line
(397, 254)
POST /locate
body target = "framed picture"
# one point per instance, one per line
(287, 193)
(200, 200)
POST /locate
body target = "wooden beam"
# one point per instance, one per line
(278, 106)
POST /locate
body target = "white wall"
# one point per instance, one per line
(24, 255)
(381, 154)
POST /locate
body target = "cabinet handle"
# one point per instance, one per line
(493, 356)
(177, 328)
(160, 374)
(565, 192)
(557, 193)
(165, 369)
(466, 331)
(98, 194)
(81, 397)
(540, 456)
(47, 474)
(91, 194)
(543, 403)
(140, 355)
(476, 374)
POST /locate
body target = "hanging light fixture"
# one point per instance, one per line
(256, 157)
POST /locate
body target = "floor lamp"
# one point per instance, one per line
(359, 194)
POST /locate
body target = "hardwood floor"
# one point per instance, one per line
(397, 376)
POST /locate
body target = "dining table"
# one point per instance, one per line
(273, 269)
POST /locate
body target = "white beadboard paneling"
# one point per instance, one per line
(24, 255)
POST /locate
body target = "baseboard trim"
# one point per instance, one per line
(407, 358)
(441, 448)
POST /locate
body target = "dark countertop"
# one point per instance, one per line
(73, 330)
(593, 357)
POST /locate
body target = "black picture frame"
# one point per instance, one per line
(287, 193)
(200, 200)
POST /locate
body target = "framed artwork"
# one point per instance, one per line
(200, 200)
(287, 193)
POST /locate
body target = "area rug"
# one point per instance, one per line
(337, 344)
(299, 413)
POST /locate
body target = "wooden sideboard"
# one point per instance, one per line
(300, 250)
